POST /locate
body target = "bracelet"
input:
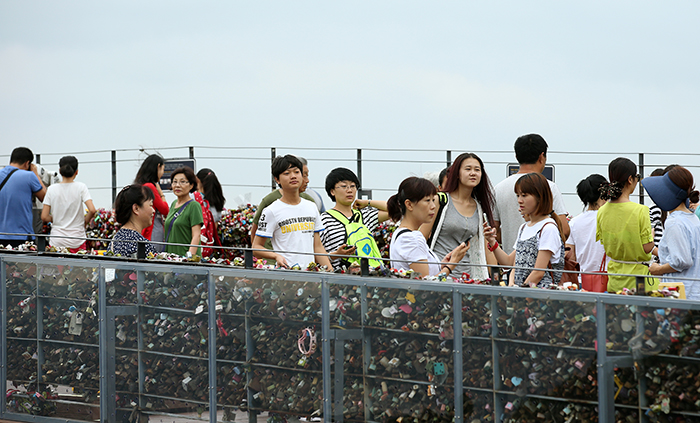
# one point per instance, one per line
(493, 248)
(369, 203)
(446, 266)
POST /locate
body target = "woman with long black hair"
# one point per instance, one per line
(149, 175)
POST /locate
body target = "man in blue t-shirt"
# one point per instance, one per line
(19, 181)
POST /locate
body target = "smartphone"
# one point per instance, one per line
(486, 219)
(466, 241)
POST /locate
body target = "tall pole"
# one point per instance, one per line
(114, 175)
(641, 172)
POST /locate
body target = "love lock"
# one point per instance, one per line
(438, 369)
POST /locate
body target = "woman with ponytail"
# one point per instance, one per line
(624, 228)
(679, 247)
(540, 241)
(582, 244)
(414, 205)
(63, 206)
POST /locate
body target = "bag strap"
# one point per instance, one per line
(443, 199)
(175, 216)
(401, 232)
(4, 181)
(602, 263)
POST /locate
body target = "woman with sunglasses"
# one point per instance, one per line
(184, 222)
(624, 228)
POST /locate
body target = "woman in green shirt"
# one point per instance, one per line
(184, 222)
(624, 228)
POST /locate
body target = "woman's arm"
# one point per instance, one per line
(648, 247)
(657, 269)
(159, 202)
(91, 212)
(379, 205)
(46, 214)
(543, 258)
(196, 240)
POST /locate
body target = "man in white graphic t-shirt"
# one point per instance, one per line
(293, 224)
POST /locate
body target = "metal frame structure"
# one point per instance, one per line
(332, 376)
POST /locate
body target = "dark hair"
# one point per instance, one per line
(340, 174)
(529, 147)
(148, 172)
(537, 185)
(443, 175)
(127, 197)
(684, 180)
(281, 163)
(657, 172)
(189, 174)
(619, 171)
(413, 189)
(212, 188)
(483, 192)
(21, 155)
(588, 189)
(68, 165)
(669, 167)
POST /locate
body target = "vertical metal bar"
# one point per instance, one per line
(248, 258)
(606, 403)
(211, 297)
(364, 266)
(102, 307)
(642, 398)
(114, 176)
(140, 282)
(366, 351)
(339, 379)
(495, 365)
(359, 166)
(191, 152)
(3, 334)
(249, 352)
(109, 394)
(326, 347)
(457, 345)
(38, 158)
(273, 154)
(448, 158)
(641, 172)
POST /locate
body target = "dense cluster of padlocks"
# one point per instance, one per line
(269, 348)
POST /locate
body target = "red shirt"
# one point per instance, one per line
(159, 204)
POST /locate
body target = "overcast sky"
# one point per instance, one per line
(618, 77)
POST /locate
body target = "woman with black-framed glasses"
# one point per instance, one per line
(184, 222)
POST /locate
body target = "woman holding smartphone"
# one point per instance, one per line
(464, 206)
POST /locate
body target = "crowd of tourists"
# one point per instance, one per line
(456, 226)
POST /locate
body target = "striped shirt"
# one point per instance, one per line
(334, 235)
(656, 224)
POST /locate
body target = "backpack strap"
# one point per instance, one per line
(4, 181)
(401, 232)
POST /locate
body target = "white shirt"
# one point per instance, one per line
(549, 237)
(411, 247)
(66, 201)
(292, 229)
(507, 212)
(589, 252)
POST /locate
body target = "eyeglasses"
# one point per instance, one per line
(180, 183)
(344, 187)
(639, 177)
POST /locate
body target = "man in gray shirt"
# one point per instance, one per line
(531, 153)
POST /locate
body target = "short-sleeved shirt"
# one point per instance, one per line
(16, 202)
(121, 246)
(507, 212)
(180, 231)
(589, 252)
(680, 248)
(409, 247)
(66, 201)
(269, 199)
(334, 235)
(292, 228)
(623, 229)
